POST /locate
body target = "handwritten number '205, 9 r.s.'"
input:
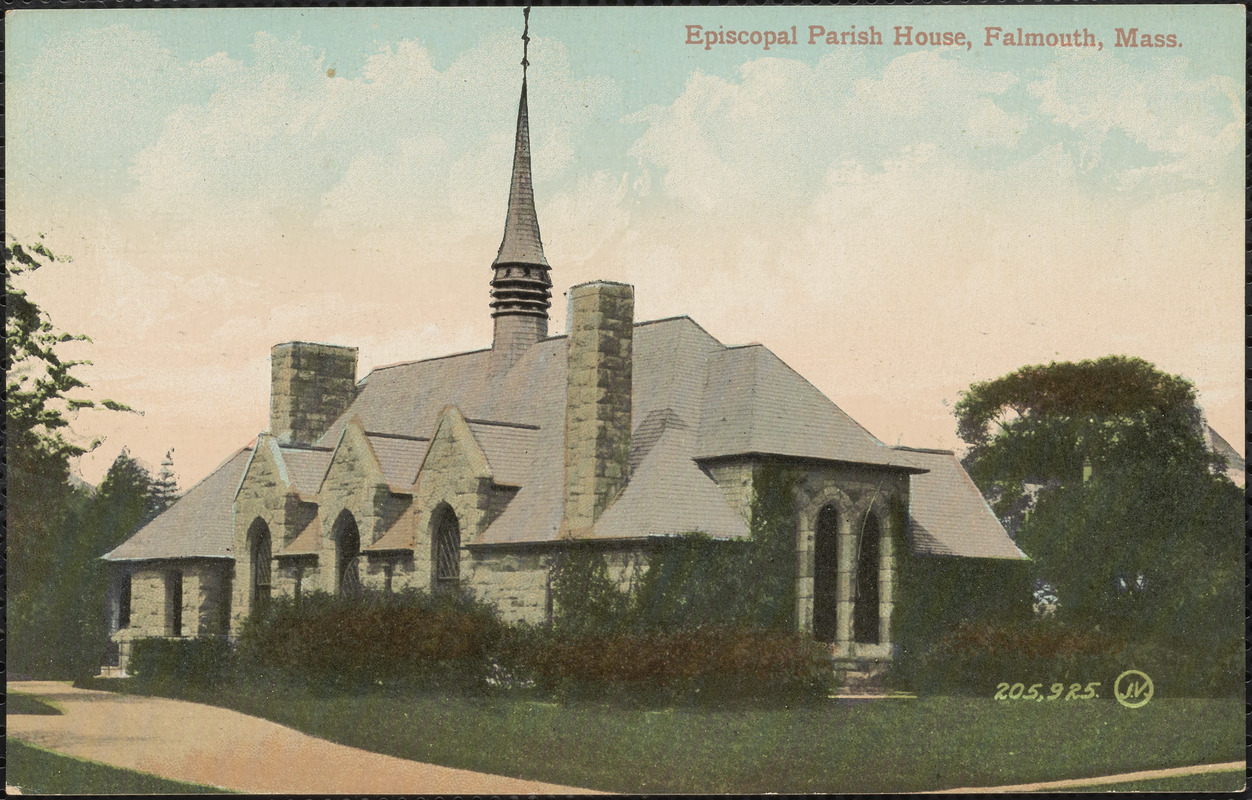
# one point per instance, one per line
(1018, 691)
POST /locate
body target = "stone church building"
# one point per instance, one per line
(474, 469)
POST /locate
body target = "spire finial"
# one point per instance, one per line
(525, 39)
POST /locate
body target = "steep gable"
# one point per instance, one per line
(354, 462)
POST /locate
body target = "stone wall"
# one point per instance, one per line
(263, 495)
(354, 485)
(598, 400)
(455, 473)
(392, 572)
(288, 573)
(205, 598)
(855, 492)
(311, 385)
(517, 579)
(735, 481)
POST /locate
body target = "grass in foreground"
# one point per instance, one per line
(38, 771)
(15, 703)
(836, 746)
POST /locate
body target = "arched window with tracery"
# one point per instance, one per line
(348, 539)
(446, 558)
(866, 615)
(260, 553)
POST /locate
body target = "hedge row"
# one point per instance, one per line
(709, 662)
(406, 637)
(413, 639)
(198, 662)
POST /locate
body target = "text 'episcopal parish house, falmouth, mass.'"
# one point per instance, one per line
(473, 471)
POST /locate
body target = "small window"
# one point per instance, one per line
(123, 603)
(174, 603)
(547, 599)
(297, 574)
(261, 557)
(223, 606)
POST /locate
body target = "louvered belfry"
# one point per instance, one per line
(521, 288)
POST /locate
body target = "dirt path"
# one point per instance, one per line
(218, 747)
(1103, 780)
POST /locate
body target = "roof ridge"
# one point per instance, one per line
(425, 360)
(500, 424)
(403, 436)
(933, 450)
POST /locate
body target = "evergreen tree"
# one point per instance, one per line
(164, 488)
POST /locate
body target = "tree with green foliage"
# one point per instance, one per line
(1137, 527)
(43, 509)
(1051, 423)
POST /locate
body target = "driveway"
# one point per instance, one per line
(218, 747)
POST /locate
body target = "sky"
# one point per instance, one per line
(895, 221)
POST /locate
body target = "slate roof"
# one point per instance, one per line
(402, 535)
(755, 403)
(307, 542)
(693, 398)
(306, 467)
(510, 449)
(948, 515)
(1236, 467)
(670, 494)
(521, 243)
(200, 524)
(399, 457)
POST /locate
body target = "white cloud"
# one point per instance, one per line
(757, 146)
(1194, 120)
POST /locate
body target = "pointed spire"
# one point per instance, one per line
(521, 243)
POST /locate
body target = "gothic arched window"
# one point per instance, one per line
(866, 616)
(447, 547)
(259, 536)
(825, 575)
(348, 537)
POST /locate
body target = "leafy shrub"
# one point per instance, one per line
(199, 662)
(410, 637)
(974, 658)
(713, 663)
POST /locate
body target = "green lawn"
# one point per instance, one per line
(838, 746)
(38, 771)
(15, 703)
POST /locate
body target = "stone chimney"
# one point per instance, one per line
(311, 385)
(597, 400)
